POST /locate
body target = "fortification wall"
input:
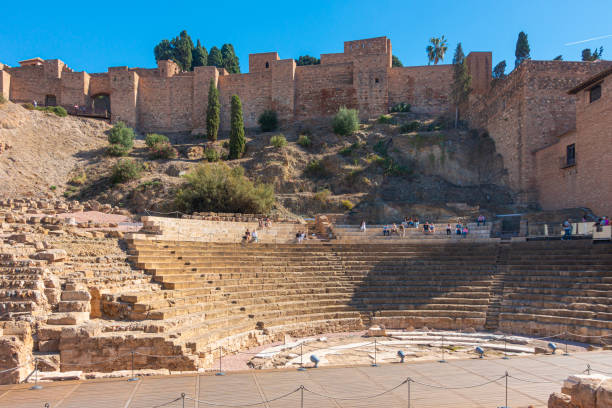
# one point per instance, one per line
(321, 89)
(164, 103)
(5, 84)
(425, 88)
(75, 88)
(526, 112)
(254, 90)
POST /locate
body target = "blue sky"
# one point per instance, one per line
(92, 36)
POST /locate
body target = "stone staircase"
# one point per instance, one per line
(497, 288)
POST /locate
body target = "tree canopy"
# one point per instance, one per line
(395, 62)
(587, 55)
(436, 50)
(307, 60)
(500, 70)
(522, 49)
(462, 79)
(187, 56)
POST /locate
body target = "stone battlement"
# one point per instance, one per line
(164, 99)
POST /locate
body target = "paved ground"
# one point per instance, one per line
(435, 385)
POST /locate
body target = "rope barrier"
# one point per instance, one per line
(182, 397)
(16, 368)
(457, 388)
(534, 382)
(301, 387)
(357, 398)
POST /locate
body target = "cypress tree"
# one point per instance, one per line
(200, 56)
(522, 49)
(230, 60)
(212, 113)
(237, 139)
(215, 58)
(462, 81)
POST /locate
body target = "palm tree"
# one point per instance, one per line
(436, 51)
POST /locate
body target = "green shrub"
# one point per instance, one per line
(347, 204)
(323, 195)
(217, 187)
(79, 179)
(410, 127)
(122, 135)
(381, 148)
(28, 106)
(125, 170)
(2, 99)
(385, 119)
(375, 159)
(53, 188)
(349, 150)
(346, 121)
(278, 141)
(117, 150)
(211, 154)
(225, 144)
(304, 141)
(315, 169)
(163, 150)
(154, 138)
(401, 107)
(268, 121)
(59, 111)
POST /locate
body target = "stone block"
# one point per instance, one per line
(46, 346)
(80, 295)
(71, 318)
(51, 255)
(74, 306)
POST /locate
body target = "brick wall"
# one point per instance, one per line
(589, 182)
(526, 112)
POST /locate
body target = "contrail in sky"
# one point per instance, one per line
(590, 39)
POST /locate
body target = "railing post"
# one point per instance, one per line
(506, 405)
(443, 360)
(505, 357)
(183, 398)
(375, 356)
(134, 378)
(301, 396)
(36, 386)
(409, 380)
(220, 359)
(301, 357)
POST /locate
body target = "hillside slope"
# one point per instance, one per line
(43, 148)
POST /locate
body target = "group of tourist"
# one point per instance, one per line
(300, 236)
(429, 228)
(248, 237)
(567, 226)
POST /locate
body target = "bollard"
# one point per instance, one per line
(302, 368)
(36, 386)
(183, 398)
(220, 358)
(301, 396)
(443, 360)
(375, 357)
(566, 353)
(134, 378)
(505, 357)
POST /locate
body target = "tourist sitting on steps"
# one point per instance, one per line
(247, 236)
(394, 229)
(432, 228)
(448, 229)
(481, 219)
(362, 228)
(254, 237)
(458, 228)
(465, 231)
(386, 232)
(426, 228)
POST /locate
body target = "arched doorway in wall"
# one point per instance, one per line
(101, 104)
(50, 100)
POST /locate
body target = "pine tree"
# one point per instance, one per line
(588, 56)
(163, 51)
(212, 112)
(307, 60)
(182, 50)
(215, 58)
(462, 81)
(395, 61)
(237, 139)
(200, 56)
(500, 70)
(230, 60)
(522, 49)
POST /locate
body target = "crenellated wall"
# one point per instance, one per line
(167, 100)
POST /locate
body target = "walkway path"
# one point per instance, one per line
(532, 380)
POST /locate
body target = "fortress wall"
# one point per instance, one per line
(99, 83)
(370, 79)
(165, 103)
(30, 84)
(527, 111)
(425, 88)
(5, 84)
(254, 90)
(321, 89)
(75, 89)
(283, 88)
(124, 95)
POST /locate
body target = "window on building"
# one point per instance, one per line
(376, 80)
(594, 93)
(267, 64)
(570, 155)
